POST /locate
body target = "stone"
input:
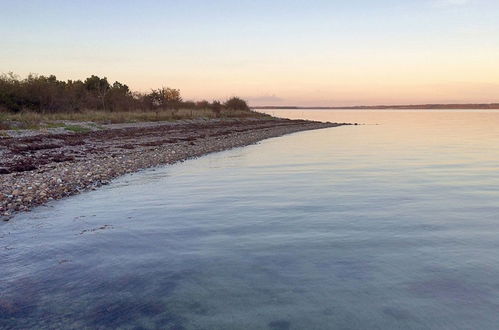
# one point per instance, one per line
(94, 166)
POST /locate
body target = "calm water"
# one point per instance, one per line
(390, 225)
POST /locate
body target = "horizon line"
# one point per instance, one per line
(493, 105)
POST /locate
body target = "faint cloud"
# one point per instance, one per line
(450, 3)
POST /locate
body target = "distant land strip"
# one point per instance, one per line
(474, 106)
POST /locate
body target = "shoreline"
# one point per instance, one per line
(40, 168)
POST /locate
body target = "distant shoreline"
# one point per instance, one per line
(484, 106)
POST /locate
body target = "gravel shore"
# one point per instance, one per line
(40, 168)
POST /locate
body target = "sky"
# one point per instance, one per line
(307, 52)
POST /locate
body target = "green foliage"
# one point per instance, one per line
(235, 103)
(54, 125)
(96, 84)
(47, 94)
(203, 104)
(165, 98)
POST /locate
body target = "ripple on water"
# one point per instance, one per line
(388, 227)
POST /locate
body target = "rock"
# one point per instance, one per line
(97, 163)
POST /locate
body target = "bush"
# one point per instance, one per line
(47, 94)
(235, 103)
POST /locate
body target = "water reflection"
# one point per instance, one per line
(376, 226)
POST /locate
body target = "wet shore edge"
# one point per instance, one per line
(40, 168)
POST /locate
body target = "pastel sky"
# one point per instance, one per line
(307, 52)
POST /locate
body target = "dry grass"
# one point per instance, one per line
(28, 119)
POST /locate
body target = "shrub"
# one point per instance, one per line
(47, 94)
(235, 103)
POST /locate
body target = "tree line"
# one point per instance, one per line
(46, 94)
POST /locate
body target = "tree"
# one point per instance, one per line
(236, 103)
(120, 97)
(202, 104)
(48, 94)
(44, 93)
(99, 86)
(216, 106)
(9, 92)
(75, 95)
(165, 98)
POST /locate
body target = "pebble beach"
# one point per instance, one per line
(40, 167)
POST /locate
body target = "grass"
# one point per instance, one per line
(77, 129)
(33, 120)
(94, 125)
(54, 125)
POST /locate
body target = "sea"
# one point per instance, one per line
(389, 224)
